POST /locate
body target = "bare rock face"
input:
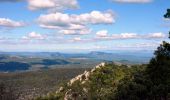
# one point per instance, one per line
(61, 89)
(83, 78)
(70, 95)
(100, 65)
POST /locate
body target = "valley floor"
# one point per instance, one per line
(36, 83)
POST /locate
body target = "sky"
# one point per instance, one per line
(82, 25)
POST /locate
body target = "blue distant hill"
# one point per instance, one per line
(135, 56)
(19, 61)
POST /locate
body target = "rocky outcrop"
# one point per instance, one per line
(70, 95)
(82, 78)
(85, 76)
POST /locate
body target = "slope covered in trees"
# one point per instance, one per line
(101, 83)
(122, 82)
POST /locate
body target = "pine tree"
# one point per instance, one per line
(158, 70)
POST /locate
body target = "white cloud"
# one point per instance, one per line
(102, 33)
(128, 35)
(1, 37)
(60, 20)
(11, 0)
(166, 19)
(34, 35)
(5, 22)
(52, 4)
(75, 24)
(132, 1)
(77, 39)
(95, 17)
(149, 45)
(75, 32)
(166, 22)
(156, 35)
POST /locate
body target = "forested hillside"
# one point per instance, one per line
(110, 81)
(117, 82)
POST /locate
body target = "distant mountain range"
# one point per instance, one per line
(135, 57)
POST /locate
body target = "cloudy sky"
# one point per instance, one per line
(82, 25)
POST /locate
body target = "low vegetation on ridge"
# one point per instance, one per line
(100, 83)
(121, 82)
(110, 81)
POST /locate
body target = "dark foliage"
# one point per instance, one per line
(36, 83)
(13, 66)
(158, 71)
(154, 82)
(167, 15)
(8, 92)
(53, 62)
